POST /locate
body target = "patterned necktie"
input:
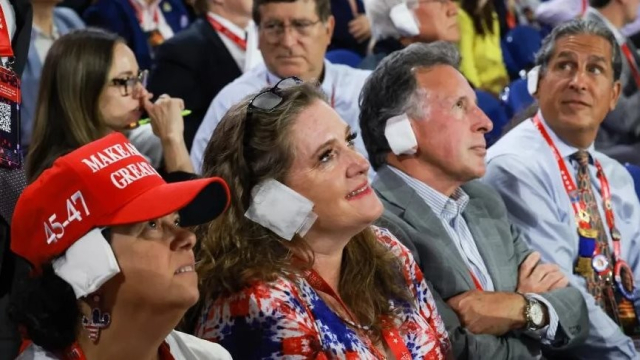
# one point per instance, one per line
(600, 287)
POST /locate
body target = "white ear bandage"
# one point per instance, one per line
(404, 20)
(280, 209)
(87, 264)
(400, 136)
(532, 80)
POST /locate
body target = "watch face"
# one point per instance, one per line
(537, 316)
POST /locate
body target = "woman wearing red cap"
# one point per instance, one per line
(295, 269)
(113, 264)
(91, 85)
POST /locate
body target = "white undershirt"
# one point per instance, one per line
(148, 23)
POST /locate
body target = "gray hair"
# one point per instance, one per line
(392, 89)
(378, 13)
(579, 27)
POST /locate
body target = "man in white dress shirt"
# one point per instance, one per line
(293, 37)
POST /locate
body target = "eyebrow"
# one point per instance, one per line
(566, 54)
(125, 73)
(327, 143)
(597, 58)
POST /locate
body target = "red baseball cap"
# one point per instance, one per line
(104, 183)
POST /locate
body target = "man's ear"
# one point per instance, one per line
(330, 25)
(615, 95)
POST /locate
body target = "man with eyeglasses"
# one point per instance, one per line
(293, 37)
(396, 24)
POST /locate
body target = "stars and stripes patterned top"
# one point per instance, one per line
(287, 319)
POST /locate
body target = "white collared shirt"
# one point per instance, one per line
(148, 23)
(181, 345)
(342, 83)
(524, 170)
(245, 59)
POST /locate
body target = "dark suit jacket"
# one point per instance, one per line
(120, 17)
(11, 184)
(502, 248)
(194, 66)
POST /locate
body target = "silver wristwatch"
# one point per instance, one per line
(534, 313)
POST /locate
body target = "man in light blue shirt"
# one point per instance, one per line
(293, 38)
(580, 66)
(425, 136)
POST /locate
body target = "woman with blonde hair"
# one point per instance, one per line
(295, 268)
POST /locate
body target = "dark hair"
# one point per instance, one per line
(46, 308)
(236, 252)
(323, 8)
(67, 112)
(599, 3)
(482, 18)
(579, 27)
(392, 90)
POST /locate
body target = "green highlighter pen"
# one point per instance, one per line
(148, 120)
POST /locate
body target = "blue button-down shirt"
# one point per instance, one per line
(523, 169)
(449, 210)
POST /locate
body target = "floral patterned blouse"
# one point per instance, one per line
(288, 319)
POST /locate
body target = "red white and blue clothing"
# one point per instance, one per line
(287, 318)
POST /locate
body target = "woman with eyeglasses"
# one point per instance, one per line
(91, 85)
(295, 269)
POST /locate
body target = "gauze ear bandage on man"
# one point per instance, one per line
(400, 136)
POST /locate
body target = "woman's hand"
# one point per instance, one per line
(166, 118)
(167, 124)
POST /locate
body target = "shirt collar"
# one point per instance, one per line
(616, 32)
(327, 82)
(146, 6)
(54, 32)
(564, 149)
(435, 199)
(235, 29)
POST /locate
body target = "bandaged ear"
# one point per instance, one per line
(404, 20)
(532, 80)
(400, 136)
(280, 209)
(87, 264)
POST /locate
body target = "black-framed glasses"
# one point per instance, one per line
(267, 101)
(274, 29)
(128, 84)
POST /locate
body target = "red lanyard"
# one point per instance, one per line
(74, 352)
(476, 282)
(242, 43)
(333, 92)
(632, 63)
(389, 332)
(5, 41)
(572, 191)
(139, 13)
(584, 7)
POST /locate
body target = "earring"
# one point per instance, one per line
(99, 320)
